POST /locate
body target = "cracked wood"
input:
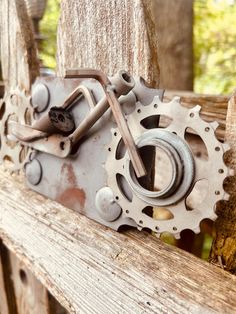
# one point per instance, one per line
(92, 269)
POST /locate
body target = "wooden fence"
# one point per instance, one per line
(48, 252)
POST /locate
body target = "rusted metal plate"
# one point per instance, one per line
(75, 181)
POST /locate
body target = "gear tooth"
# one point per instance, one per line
(156, 100)
(139, 228)
(223, 170)
(138, 107)
(158, 235)
(176, 235)
(197, 230)
(226, 147)
(176, 99)
(226, 196)
(197, 108)
(213, 216)
(139, 104)
(214, 125)
(231, 172)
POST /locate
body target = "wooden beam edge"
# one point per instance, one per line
(88, 267)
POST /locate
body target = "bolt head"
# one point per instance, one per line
(107, 207)
(40, 97)
(33, 172)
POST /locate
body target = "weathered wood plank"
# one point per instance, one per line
(92, 269)
(109, 36)
(214, 107)
(224, 243)
(7, 292)
(19, 69)
(31, 296)
(174, 21)
(4, 309)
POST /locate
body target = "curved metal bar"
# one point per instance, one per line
(116, 110)
(79, 91)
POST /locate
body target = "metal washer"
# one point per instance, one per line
(176, 147)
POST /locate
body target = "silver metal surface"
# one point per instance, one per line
(75, 181)
(90, 169)
(15, 106)
(33, 171)
(55, 144)
(40, 97)
(120, 84)
(185, 174)
(106, 204)
(183, 167)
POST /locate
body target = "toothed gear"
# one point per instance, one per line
(188, 168)
(14, 106)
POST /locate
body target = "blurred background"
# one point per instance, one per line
(196, 38)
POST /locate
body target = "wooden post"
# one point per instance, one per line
(31, 295)
(3, 297)
(19, 70)
(223, 252)
(109, 36)
(7, 293)
(18, 52)
(174, 20)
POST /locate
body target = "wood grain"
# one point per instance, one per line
(31, 296)
(18, 51)
(109, 36)
(92, 269)
(3, 297)
(224, 243)
(19, 69)
(174, 20)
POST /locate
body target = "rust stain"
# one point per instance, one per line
(73, 198)
(68, 169)
(71, 195)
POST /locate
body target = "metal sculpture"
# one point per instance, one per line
(92, 144)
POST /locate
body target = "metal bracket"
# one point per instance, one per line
(118, 85)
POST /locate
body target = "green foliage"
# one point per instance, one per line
(206, 246)
(214, 43)
(48, 28)
(214, 46)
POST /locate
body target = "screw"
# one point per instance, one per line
(33, 171)
(40, 97)
(106, 205)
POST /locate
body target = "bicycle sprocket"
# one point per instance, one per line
(144, 206)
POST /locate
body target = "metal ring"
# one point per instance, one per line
(184, 179)
(176, 166)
